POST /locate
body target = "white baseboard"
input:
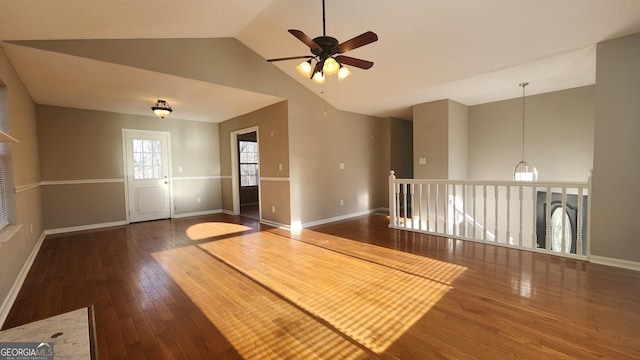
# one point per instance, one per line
(197, 213)
(275, 224)
(338, 218)
(625, 264)
(83, 227)
(17, 284)
(228, 212)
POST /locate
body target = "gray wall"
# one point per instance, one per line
(559, 128)
(616, 163)
(401, 135)
(84, 146)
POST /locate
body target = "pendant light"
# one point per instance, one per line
(524, 170)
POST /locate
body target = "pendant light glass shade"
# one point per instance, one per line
(524, 170)
(161, 109)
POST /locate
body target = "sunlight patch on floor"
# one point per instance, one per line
(372, 304)
(207, 230)
(257, 323)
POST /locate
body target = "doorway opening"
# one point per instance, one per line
(246, 173)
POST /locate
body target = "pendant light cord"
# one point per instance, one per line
(523, 85)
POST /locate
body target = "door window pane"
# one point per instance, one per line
(147, 159)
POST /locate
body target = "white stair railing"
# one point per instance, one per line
(536, 216)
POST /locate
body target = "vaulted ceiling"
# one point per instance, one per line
(470, 51)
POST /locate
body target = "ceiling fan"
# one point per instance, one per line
(327, 52)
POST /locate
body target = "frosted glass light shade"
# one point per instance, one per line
(318, 77)
(343, 73)
(330, 67)
(304, 68)
(525, 171)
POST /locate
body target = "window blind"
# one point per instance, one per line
(4, 152)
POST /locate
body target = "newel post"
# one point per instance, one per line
(392, 199)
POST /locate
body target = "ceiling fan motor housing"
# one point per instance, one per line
(328, 46)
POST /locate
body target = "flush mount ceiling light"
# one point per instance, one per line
(161, 109)
(325, 50)
(524, 170)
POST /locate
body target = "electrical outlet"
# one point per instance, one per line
(341, 166)
(179, 169)
(273, 208)
(341, 202)
(198, 200)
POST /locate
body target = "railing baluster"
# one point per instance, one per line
(473, 211)
(413, 205)
(464, 210)
(437, 220)
(534, 234)
(455, 229)
(563, 239)
(392, 198)
(547, 235)
(580, 223)
(496, 190)
(484, 215)
(428, 207)
(420, 206)
(521, 202)
(508, 239)
(446, 211)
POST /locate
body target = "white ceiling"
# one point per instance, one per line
(471, 51)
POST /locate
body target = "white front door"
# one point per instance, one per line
(147, 171)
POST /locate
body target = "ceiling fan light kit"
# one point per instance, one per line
(326, 51)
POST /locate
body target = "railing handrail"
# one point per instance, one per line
(555, 184)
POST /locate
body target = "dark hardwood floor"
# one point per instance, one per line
(223, 287)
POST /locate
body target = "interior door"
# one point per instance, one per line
(147, 169)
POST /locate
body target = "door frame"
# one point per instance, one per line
(126, 170)
(235, 174)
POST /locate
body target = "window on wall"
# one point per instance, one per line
(248, 151)
(4, 161)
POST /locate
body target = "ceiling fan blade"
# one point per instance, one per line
(305, 39)
(359, 63)
(290, 58)
(356, 42)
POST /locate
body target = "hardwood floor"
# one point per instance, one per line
(222, 287)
